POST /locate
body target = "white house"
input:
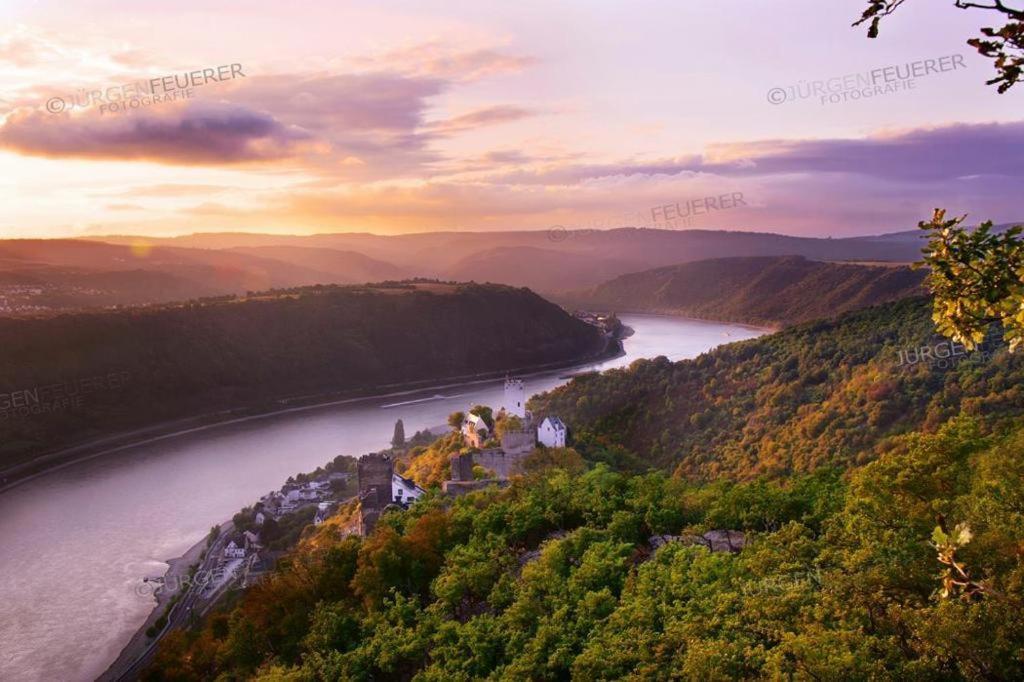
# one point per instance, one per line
(234, 551)
(552, 432)
(323, 511)
(475, 430)
(403, 490)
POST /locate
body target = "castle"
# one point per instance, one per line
(380, 488)
(516, 442)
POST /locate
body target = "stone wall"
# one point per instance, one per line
(456, 488)
(518, 442)
(503, 464)
(462, 467)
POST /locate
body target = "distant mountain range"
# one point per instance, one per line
(58, 274)
(776, 291)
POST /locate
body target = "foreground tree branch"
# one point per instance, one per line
(1005, 46)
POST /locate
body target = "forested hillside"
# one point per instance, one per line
(770, 291)
(79, 376)
(878, 494)
(564, 576)
(824, 393)
(864, 473)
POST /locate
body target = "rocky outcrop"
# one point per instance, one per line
(715, 540)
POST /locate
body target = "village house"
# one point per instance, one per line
(380, 488)
(404, 490)
(475, 430)
(323, 510)
(235, 550)
(552, 432)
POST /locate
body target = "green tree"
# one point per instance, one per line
(977, 279)
(507, 424)
(485, 413)
(455, 420)
(398, 439)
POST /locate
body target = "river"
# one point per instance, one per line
(75, 542)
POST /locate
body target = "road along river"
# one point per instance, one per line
(75, 542)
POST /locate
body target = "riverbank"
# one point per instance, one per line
(119, 516)
(668, 312)
(678, 315)
(47, 463)
(140, 646)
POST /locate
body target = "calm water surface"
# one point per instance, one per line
(74, 543)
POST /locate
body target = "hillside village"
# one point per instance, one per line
(494, 450)
(492, 455)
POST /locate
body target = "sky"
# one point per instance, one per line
(396, 117)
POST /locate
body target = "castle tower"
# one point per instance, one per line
(515, 397)
(375, 471)
(375, 492)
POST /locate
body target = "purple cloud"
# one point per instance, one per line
(920, 155)
(196, 134)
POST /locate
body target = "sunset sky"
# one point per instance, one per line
(396, 117)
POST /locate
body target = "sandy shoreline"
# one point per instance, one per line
(177, 570)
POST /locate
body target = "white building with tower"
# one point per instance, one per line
(515, 397)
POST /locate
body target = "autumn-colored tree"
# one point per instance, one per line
(1005, 45)
(455, 420)
(977, 279)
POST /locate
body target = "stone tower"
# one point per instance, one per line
(515, 397)
(375, 473)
